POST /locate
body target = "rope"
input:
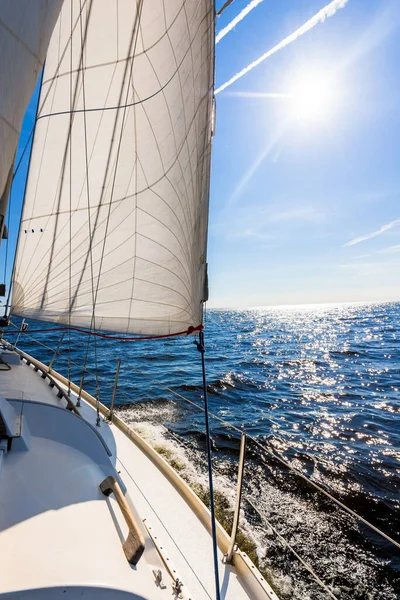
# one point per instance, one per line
(299, 558)
(133, 42)
(261, 515)
(88, 201)
(53, 351)
(71, 105)
(223, 7)
(134, 39)
(23, 152)
(121, 338)
(201, 349)
(91, 234)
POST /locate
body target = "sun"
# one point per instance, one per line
(312, 97)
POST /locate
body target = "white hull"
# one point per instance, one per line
(60, 536)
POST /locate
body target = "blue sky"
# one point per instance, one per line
(17, 191)
(289, 194)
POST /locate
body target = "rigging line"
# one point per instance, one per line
(99, 206)
(70, 205)
(190, 50)
(197, 136)
(232, 24)
(53, 351)
(163, 525)
(42, 102)
(91, 155)
(126, 105)
(119, 61)
(299, 558)
(57, 273)
(61, 56)
(23, 152)
(116, 107)
(8, 233)
(89, 332)
(229, 483)
(134, 172)
(134, 39)
(56, 291)
(223, 7)
(41, 105)
(162, 90)
(190, 448)
(89, 253)
(7, 305)
(84, 370)
(321, 489)
(10, 202)
(61, 184)
(201, 349)
(106, 172)
(153, 184)
(21, 246)
(88, 207)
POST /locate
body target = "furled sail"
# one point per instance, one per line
(25, 30)
(114, 226)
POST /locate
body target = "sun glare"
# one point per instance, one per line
(312, 97)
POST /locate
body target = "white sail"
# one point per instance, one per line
(114, 226)
(25, 30)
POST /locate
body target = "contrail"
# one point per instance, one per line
(267, 150)
(328, 11)
(279, 95)
(368, 236)
(237, 19)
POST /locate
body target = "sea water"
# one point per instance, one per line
(317, 385)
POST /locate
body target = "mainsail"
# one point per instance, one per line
(25, 30)
(114, 225)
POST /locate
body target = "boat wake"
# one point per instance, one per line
(328, 540)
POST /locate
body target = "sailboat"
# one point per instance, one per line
(112, 242)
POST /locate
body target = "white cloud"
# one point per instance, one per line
(390, 249)
(369, 236)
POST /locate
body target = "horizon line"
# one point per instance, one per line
(302, 304)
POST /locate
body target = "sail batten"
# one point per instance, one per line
(121, 158)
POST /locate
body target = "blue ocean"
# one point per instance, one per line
(317, 385)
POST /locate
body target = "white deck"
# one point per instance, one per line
(58, 530)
